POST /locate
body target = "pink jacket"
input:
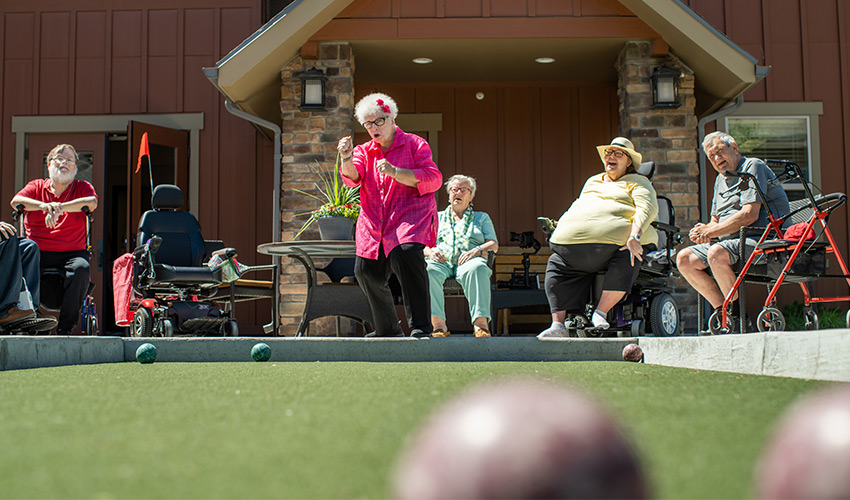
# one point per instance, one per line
(390, 212)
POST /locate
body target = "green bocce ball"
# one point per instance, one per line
(146, 353)
(261, 352)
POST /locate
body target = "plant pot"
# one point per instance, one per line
(336, 228)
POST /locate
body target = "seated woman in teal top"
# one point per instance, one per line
(463, 239)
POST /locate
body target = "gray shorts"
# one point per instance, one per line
(730, 245)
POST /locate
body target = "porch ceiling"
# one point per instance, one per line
(250, 74)
(485, 60)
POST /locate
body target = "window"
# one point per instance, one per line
(780, 131)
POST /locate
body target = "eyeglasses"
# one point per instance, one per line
(456, 189)
(375, 123)
(616, 153)
(62, 159)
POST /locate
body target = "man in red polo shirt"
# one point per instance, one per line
(56, 223)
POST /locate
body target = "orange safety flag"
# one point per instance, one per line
(144, 150)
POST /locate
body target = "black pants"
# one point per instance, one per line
(571, 270)
(407, 261)
(75, 271)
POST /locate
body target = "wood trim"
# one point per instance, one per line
(143, 58)
(844, 62)
(804, 52)
(180, 55)
(107, 63)
(501, 27)
(660, 48)
(310, 51)
(72, 60)
(766, 48)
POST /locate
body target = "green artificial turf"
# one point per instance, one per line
(334, 430)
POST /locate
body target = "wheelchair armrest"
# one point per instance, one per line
(225, 253)
(150, 247)
(667, 228)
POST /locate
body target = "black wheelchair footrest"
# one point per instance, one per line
(203, 324)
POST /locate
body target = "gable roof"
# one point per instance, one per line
(250, 74)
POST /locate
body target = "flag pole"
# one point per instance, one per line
(150, 172)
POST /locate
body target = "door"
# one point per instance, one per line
(91, 168)
(169, 164)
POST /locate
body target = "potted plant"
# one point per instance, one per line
(340, 205)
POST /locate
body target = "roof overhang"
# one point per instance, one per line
(722, 70)
(250, 74)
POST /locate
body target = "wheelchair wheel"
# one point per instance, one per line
(167, 328)
(811, 316)
(770, 319)
(664, 320)
(230, 329)
(638, 328)
(91, 325)
(142, 323)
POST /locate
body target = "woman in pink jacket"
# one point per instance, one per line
(398, 214)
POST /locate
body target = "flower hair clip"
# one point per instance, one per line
(383, 106)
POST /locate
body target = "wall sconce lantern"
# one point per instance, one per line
(313, 90)
(665, 88)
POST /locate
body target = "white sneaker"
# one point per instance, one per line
(599, 321)
(554, 331)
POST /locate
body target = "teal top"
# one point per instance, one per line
(456, 237)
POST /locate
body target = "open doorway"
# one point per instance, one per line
(105, 161)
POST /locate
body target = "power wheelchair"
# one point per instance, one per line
(174, 289)
(650, 305)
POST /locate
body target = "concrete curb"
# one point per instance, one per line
(453, 349)
(822, 355)
(819, 355)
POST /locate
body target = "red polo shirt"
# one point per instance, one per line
(69, 234)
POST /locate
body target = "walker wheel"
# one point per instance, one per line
(811, 316)
(714, 323)
(770, 319)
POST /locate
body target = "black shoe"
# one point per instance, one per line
(419, 333)
(37, 325)
(375, 335)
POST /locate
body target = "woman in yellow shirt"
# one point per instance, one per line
(607, 229)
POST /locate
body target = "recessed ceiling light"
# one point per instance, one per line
(423, 60)
(544, 60)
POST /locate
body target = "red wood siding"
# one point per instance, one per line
(92, 57)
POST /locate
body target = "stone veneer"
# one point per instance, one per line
(666, 136)
(307, 137)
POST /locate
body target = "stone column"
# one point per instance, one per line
(667, 136)
(309, 137)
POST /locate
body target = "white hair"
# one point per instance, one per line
(375, 104)
(723, 136)
(473, 186)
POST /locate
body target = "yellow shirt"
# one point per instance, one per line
(604, 212)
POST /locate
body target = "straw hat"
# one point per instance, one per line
(624, 144)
